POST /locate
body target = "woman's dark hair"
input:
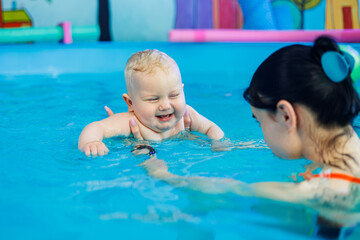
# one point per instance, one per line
(294, 73)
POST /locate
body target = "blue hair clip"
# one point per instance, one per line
(337, 66)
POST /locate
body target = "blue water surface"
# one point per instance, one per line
(50, 190)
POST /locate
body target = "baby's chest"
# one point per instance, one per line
(149, 134)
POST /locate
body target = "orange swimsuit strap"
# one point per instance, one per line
(342, 176)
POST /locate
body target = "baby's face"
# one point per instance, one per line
(158, 99)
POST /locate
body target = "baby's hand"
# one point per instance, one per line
(96, 148)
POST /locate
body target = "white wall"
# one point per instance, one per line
(142, 20)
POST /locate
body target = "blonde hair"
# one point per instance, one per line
(147, 61)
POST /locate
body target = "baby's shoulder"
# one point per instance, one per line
(117, 125)
(123, 115)
(119, 120)
(190, 108)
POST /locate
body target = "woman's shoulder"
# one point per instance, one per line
(333, 187)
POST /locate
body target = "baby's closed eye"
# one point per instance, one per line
(174, 95)
(152, 99)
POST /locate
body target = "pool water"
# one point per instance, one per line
(50, 190)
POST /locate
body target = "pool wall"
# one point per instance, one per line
(229, 61)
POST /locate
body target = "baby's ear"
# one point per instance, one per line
(128, 101)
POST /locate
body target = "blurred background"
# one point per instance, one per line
(151, 20)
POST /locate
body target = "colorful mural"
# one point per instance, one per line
(227, 14)
(124, 20)
(305, 5)
(287, 15)
(203, 14)
(342, 14)
(244, 14)
(14, 18)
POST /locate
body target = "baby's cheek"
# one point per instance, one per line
(178, 115)
(180, 107)
(182, 112)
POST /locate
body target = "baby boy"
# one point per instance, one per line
(156, 103)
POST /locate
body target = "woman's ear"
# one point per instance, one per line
(128, 101)
(286, 114)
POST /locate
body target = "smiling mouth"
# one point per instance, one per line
(166, 117)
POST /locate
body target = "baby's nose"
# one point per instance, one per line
(164, 104)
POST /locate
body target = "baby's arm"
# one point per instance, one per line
(90, 140)
(203, 125)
